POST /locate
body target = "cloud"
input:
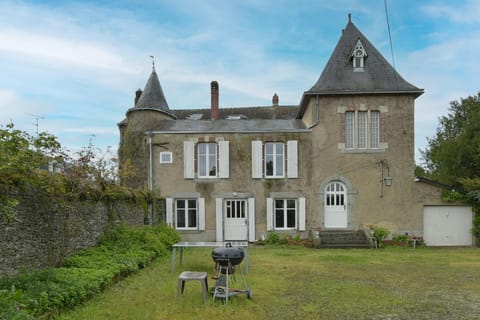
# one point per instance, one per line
(467, 13)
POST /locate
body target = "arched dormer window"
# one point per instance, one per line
(358, 57)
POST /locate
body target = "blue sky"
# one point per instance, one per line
(75, 65)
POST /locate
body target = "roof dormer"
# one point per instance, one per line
(358, 57)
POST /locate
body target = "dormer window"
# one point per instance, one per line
(358, 57)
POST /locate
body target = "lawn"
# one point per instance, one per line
(300, 283)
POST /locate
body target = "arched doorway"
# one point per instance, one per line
(335, 203)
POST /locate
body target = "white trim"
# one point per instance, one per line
(201, 214)
(301, 214)
(166, 153)
(169, 211)
(292, 159)
(219, 218)
(223, 159)
(269, 214)
(188, 159)
(257, 161)
(251, 219)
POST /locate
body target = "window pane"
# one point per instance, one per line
(269, 148)
(291, 218)
(180, 218)
(180, 203)
(291, 204)
(349, 125)
(362, 130)
(375, 130)
(192, 218)
(279, 148)
(279, 163)
(202, 165)
(212, 162)
(269, 166)
(279, 219)
(202, 148)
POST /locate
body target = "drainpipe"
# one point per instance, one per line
(149, 218)
(317, 112)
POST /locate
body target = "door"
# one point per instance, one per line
(335, 205)
(236, 222)
(447, 225)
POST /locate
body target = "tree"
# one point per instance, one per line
(454, 152)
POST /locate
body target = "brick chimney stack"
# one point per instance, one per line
(275, 100)
(214, 112)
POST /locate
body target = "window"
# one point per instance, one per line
(362, 130)
(207, 160)
(274, 160)
(358, 57)
(285, 213)
(166, 157)
(186, 213)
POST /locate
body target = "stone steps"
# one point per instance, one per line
(343, 239)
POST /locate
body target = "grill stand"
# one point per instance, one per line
(225, 270)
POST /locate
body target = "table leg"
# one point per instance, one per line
(181, 255)
(173, 258)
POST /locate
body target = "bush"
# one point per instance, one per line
(380, 233)
(121, 251)
(273, 238)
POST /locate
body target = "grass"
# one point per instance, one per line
(301, 283)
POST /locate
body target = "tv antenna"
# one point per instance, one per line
(37, 117)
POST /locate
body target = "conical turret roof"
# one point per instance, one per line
(377, 76)
(152, 96)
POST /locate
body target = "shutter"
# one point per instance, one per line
(169, 211)
(201, 214)
(292, 159)
(219, 218)
(301, 214)
(269, 214)
(223, 159)
(251, 219)
(257, 163)
(188, 159)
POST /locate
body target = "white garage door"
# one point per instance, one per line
(447, 225)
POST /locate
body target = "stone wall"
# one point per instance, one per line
(44, 232)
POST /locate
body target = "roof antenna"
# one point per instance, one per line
(153, 62)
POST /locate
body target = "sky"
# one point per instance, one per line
(71, 68)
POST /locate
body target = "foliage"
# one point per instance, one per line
(12, 304)
(121, 251)
(454, 151)
(90, 174)
(400, 237)
(380, 234)
(273, 238)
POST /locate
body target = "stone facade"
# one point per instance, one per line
(43, 234)
(342, 159)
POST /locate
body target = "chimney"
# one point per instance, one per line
(275, 100)
(138, 93)
(214, 112)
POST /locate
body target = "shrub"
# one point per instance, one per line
(121, 251)
(273, 238)
(380, 233)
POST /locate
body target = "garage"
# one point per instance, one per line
(447, 225)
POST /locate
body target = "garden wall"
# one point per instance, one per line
(45, 231)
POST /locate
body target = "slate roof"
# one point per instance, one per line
(378, 76)
(152, 97)
(234, 120)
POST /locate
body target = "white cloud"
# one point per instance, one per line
(468, 13)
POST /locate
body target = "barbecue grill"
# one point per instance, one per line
(226, 260)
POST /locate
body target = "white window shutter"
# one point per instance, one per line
(257, 161)
(188, 159)
(292, 159)
(269, 214)
(169, 211)
(251, 219)
(201, 214)
(219, 218)
(301, 214)
(223, 159)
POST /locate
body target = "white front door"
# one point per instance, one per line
(236, 222)
(335, 205)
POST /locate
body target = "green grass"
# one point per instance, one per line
(300, 283)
